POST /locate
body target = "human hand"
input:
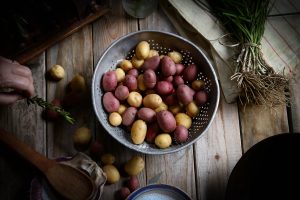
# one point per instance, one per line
(15, 81)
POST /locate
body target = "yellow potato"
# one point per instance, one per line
(137, 63)
(152, 53)
(192, 109)
(82, 137)
(135, 99)
(141, 84)
(138, 131)
(115, 119)
(120, 73)
(57, 72)
(198, 85)
(112, 173)
(134, 166)
(108, 159)
(152, 101)
(126, 65)
(175, 56)
(184, 120)
(161, 107)
(122, 109)
(142, 50)
(175, 109)
(163, 140)
(77, 84)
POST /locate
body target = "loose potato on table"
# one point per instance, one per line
(138, 131)
(57, 72)
(134, 166)
(112, 173)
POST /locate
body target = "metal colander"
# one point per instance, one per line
(162, 42)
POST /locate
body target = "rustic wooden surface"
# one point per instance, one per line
(201, 170)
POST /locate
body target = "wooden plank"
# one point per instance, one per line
(295, 101)
(106, 30)
(217, 152)
(75, 55)
(25, 123)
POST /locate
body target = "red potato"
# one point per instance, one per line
(152, 131)
(96, 150)
(149, 78)
(200, 98)
(51, 114)
(128, 116)
(121, 92)
(133, 183)
(166, 121)
(110, 102)
(134, 72)
(147, 114)
(123, 193)
(178, 80)
(179, 68)
(171, 100)
(169, 79)
(190, 73)
(109, 81)
(131, 82)
(185, 94)
(181, 134)
(164, 87)
(168, 67)
(151, 63)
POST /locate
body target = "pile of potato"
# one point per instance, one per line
(155, 96)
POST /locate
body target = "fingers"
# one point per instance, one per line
(21, 84)
(6, 99)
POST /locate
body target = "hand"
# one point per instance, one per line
(15, 81)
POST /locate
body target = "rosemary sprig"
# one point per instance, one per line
(44, 104)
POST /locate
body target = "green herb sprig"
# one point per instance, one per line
(44, 104)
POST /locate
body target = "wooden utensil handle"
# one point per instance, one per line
(35, 158)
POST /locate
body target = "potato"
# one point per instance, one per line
(152, 53)
(133, 72)
(126, 65)
(152, 101)
(149, 78)
(175, 56)
(120, 73)
(123, 193)
(181, 134)
(141, 84)
(198, 85)
(57, 72)
(183, 120)
(190, 73)
(142, 50)
(161, 107)
(177, 80)
(108, 159)
(109, 81)
(135, 99)
(168, 78)
(171, 100)
(163, 140)
(179, 68)
(192, 109)
(134, 166)
(166, 121)
(137, 63)
(122, 109)
(152, 132)
(185, 94)
(164, 87)
(147, 114)
(175, 109)
(131, 82)
(115, 119)
(200, 98)
(112, 173)
(167, 66)
(110, 102)
(122, 92)
(77, 84)
(128, 116)
(138, 131)
(133, 183)
(82, 137)
(151, 63)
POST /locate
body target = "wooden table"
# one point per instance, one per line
(202, 170)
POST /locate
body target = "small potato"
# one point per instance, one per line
(108, 159)
(152, 132)
(82, 137)
(135, 99)
(175, 109)
(175, 56)
(201, 97)
(166, 121)
(133, 183)
(78, 84)
(57, 72)
(190, 73)
(149, 78)
(147, 114)
(115, 119)
(141, 84)
(128, 116)
(183, 120)
(137, 63)
(122, 92)
(151, 63)
(142, 50)
(134, 72)
(152, 101)
(134, 166)
(110, 102)
(120, 73)
(161, 107)
(138, 131)
(181, 134)
(168, 78)
(164, 87)
(168, 66)
(185, 94)
(178, 80)
(112, 173)
(171, 100)
(109, 81)
(163, 140)
(152, 53)
(126, 65)
(123, 193)
(198, 85)
(192, 109)
(122, 109)
(131, 82)
(179, 68)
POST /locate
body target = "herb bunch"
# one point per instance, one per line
(245, 20)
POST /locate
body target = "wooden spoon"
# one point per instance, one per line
(68, 181)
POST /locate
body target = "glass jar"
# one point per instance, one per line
(139, 8)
